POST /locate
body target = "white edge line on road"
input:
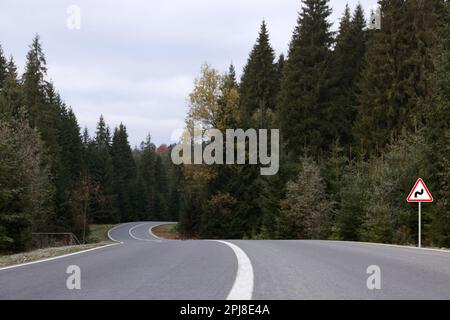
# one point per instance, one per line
(69, 254)
(58, 257)
(391, 245)
(243, 285)
(109, 234)
(158, 225)
(130, 232)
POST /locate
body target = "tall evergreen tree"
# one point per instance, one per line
(72, 186)
(3, 68)
(304, 95)
(348, 56)
(34, 82)
(24, 185)
(396, 76)
(162, 192)
(147, 173)
(124, 174)
(258, 86)
(230, 78)
(101, 172)
(280, 70)
(103, 135)
(11, 95)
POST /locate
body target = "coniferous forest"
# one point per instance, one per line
(362, 112)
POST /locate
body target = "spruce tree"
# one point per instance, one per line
(304, 95)
(3, 69)
(71, 147)
(259, 81)
(103, 135)
(230, 78)
(24, 185)
(307, 210)
(33, 80)
(124, 173)
(100, 171)
(396, 74)
(11, 95)
(162, 191)
(279, 75)
(69, 183)
(348, 56)
(147, 171)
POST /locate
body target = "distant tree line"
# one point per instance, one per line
(55, 179)
(363, 113)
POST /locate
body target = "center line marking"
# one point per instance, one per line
(243, 284)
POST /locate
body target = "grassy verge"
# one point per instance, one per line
(98, 237)
(167, 231)
(99, 233)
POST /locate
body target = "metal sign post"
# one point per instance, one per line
(420, 225)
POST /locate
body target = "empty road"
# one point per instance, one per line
(140, 266)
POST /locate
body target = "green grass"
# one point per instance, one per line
(169, 227)
(98, 237)
(99, 233)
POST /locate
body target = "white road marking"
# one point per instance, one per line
(154, 235)
(58, 257)
(109, 234)
(243, 284)
(130, 232)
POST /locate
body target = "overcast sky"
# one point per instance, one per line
(135, 61)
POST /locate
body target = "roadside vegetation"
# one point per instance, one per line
(167, 231)
(363, 112)
(98, 237)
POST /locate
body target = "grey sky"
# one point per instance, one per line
(135, 61)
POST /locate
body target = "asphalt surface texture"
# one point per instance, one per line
(141, 266)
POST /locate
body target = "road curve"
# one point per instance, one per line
(141, 266)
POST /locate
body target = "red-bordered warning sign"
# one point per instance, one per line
(420, 193)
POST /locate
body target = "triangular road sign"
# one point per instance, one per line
(420, 193)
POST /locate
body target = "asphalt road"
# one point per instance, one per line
(144, 267)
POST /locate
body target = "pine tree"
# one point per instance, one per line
(103, 135)
(24, 185)
(124, 174)
(307, 211)
(11, 95)
(147, 173)
(100, 171)
(71, 147)
(162, 192)
(42, 102)
(258, 86)
(304, 95)
(86, 138)
(352, 204)
(348, 56)
(33, 81)
(3, 69)
(279, 75)
(230, 81)
(396, 74)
